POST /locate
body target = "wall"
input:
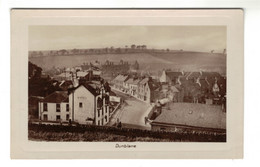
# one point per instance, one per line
(81, 95)
(51, 111)
(101, 119)
(178, 128)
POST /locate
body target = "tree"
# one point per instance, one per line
(133, 46)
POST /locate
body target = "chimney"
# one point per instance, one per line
(179, 80)
(90, 72)
(198, 81)
(182, 72)
(200, 72)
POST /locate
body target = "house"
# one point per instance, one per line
(89, 105)
(55, 107)
(146, 90)
(119, 82)
(64, 76)
(170, 76)
(130, 85)
(66, 84)
(143, 90)
(191, 117)
(133, 85)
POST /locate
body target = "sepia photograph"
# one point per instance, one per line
(127, 83)
(134, 83)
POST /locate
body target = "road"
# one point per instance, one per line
(132, 112)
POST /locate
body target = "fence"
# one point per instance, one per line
(132, 133)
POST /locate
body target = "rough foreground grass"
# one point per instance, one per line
(87, 136)
(93, 133)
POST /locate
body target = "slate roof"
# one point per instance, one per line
(57, 97)
(172, 74)
(130, 81)
(121, 78)
(153, 85)
(174, 89)
(210, 75)
(193, 75)
(196, 115)
(144, 81)
(81, 74)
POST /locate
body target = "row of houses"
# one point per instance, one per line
(197, 87)
(193, 87)
(143, 88)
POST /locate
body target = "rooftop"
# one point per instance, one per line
(121, 78)
(172, 74)
(191, 114)
(57, 97)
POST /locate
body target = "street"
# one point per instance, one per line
(132, 112)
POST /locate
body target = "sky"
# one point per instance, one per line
(189, 38)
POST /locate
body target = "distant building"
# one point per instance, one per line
(132, 85)
(119, 82)
(147, 90)
(65, 84)
(191, 117)
(170, 76)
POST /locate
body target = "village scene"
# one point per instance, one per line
(124, 89)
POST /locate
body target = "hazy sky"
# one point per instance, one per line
(193, 38)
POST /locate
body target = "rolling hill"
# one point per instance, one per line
(181, 60)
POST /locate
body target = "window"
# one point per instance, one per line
(67, 107)
(45, 107)
(102, 122)
(98, 123)
(57, 117)
(57, 107)
(99, 103)
(45, 117)
(80, 105)
(105, 118)
(98, 113)
(67, 117)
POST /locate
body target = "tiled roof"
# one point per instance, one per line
(57, 97)
(191, 114)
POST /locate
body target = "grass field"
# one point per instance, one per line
(148, 61)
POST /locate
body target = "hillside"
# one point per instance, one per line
(148, 61)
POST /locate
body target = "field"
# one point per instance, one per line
(148, 61)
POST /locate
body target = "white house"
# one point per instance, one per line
(89, 105)
(55, 107)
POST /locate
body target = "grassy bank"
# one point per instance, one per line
(111, 134)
